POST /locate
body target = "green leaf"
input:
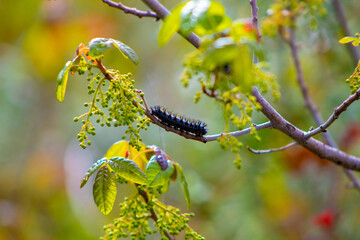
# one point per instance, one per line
(345, 40)
(126, 51)
(98, 164)
(62, 81)
(104, 190)
(155, 175)
(225, 51)
(165, 187)
(170, 25)
(213, 17)
(98, 46)
(127, 169)
(191, 13)
(184, 184)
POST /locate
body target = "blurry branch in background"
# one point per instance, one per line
(309, 104)
(276, 120)
(340, 15)
(132, 11)
(291, 41)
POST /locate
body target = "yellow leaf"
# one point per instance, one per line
(170, 25)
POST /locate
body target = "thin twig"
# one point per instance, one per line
(272, 149)
(255, 23)
(335, 115)
(340, 15)
(152, 212)
(254, 18)
(210, 138)
(132, 11)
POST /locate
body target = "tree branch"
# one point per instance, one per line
(318, 148)
(210, 138)
(132, 11)
(309, 103)
(254, 18)
(277, 121)
(316, 115)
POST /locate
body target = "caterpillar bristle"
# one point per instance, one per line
(178, 122)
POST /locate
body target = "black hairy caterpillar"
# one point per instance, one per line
(183, 124)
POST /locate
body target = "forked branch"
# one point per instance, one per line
(315, 146)
(335, 115)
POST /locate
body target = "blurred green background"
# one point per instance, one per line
(286, 195)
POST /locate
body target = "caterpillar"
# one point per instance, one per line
(181, 123)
